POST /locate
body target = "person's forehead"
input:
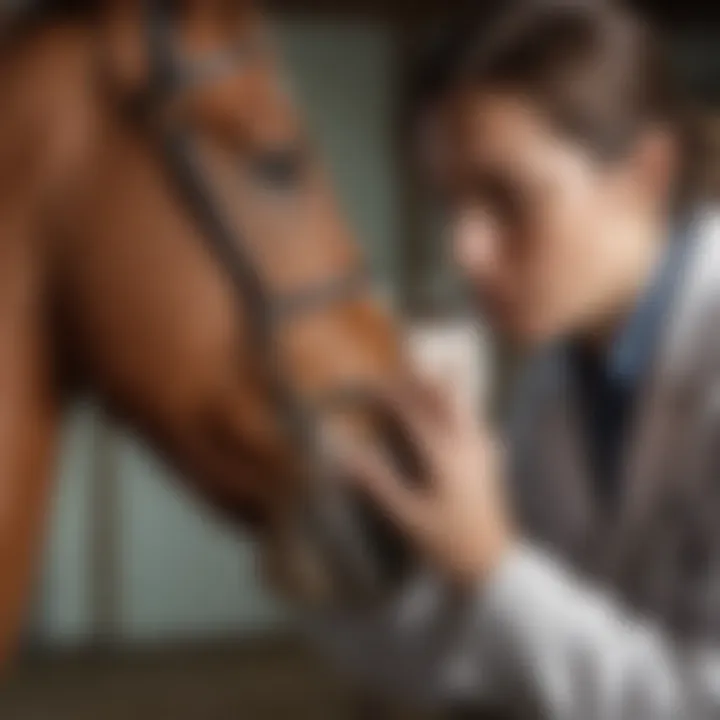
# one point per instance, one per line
(490, 120)
(486, 129)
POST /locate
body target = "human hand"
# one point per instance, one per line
(458, 517)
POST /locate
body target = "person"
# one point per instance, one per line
(573, 572)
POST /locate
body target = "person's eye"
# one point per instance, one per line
(502, 199)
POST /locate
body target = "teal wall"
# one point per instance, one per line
(343, 77)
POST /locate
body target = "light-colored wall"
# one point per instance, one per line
(62, 609)
(344, 81)
(182, 574)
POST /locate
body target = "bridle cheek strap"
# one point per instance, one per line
(266, 310)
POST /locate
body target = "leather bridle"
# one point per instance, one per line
(170, 74)
(333, 519)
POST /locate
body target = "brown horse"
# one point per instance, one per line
(169, 241)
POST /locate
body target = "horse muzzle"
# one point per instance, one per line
(334, 547)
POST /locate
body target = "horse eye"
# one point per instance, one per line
(280, 169)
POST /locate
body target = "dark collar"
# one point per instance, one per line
(631, 353)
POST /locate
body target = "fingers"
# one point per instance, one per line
(455, 406)
(419, 404)
(441, 408)
(368, 470)
(432, 394)
(461, 409)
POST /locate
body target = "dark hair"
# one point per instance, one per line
(599, 71)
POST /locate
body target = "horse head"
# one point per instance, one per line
(204, 283)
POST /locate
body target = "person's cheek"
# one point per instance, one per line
(565, 273)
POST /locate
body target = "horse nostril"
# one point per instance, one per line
(369, 554)
(392, 552)
(360, 554)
